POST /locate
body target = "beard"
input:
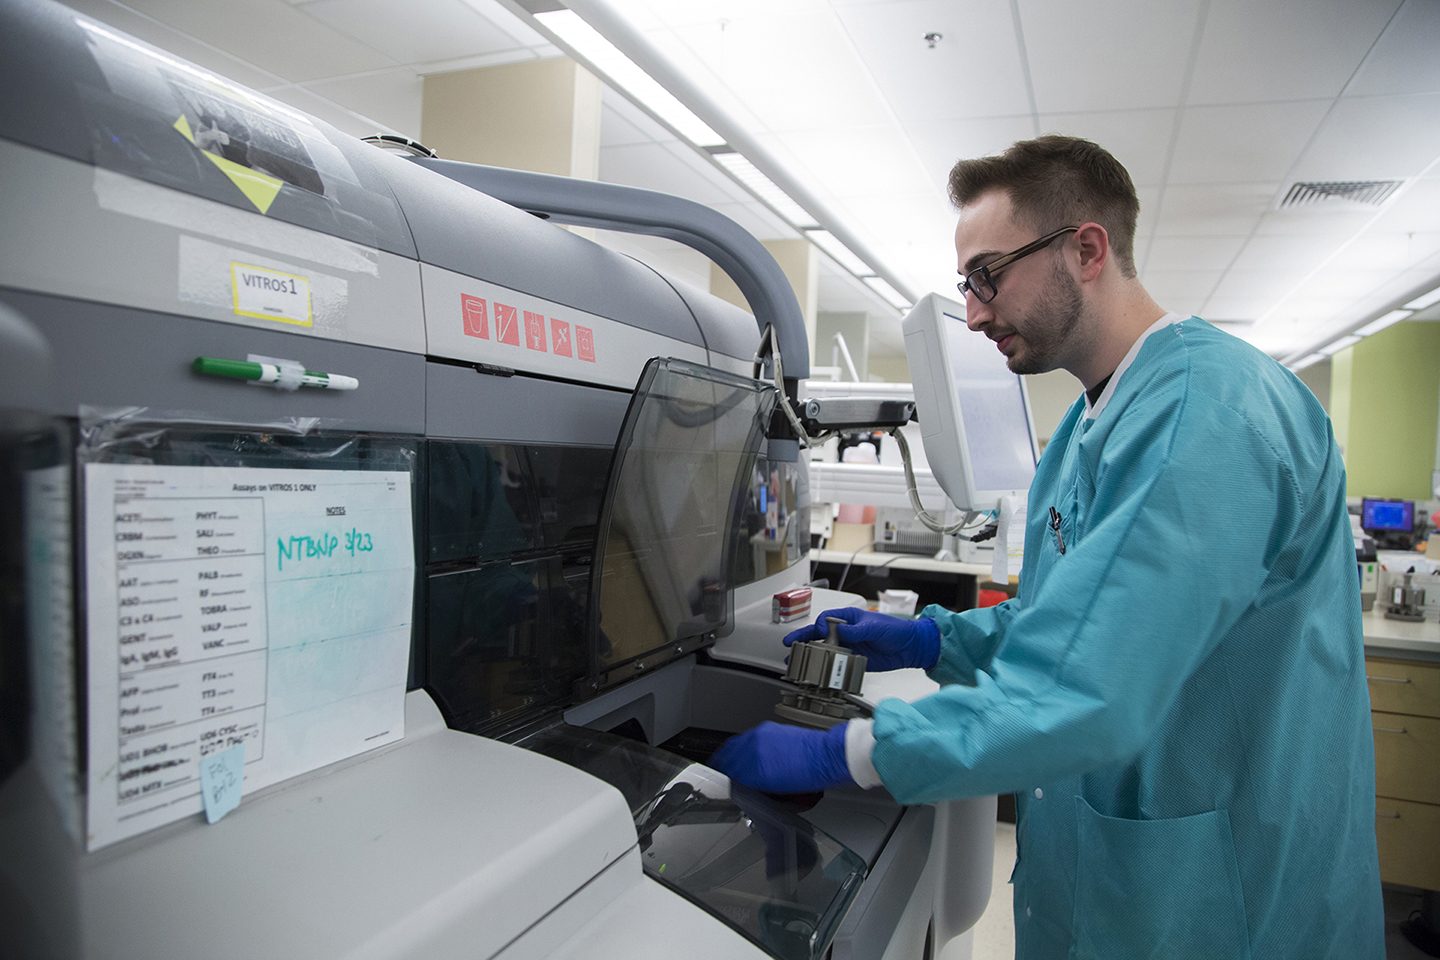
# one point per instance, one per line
(1052, 329)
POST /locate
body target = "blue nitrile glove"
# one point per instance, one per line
(780, 758)
(886, 642)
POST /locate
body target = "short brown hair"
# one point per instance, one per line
(1055, 181)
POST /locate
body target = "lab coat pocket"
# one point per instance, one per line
(1157, 888)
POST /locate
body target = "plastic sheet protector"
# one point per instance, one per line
(226, 606)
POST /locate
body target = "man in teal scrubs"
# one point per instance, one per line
(1177, 694)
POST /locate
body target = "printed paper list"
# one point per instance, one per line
(263, 607)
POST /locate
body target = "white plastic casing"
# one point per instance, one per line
(974, 413)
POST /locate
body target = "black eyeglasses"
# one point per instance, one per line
(981, 280)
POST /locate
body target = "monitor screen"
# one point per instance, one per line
(992, 406)
(1387, 515)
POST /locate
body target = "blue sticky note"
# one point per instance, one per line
(222, 775)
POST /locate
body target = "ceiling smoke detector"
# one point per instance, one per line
(1339, 194)
(933, 38)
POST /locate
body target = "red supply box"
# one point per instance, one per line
(790, 605)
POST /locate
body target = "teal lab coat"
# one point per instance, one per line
(1178, 698)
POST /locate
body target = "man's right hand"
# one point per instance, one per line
(886, 642)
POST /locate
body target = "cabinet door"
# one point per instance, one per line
(1408, 835)
(1401, 687)
(1407, 757)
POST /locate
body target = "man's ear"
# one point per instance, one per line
(1093, 243)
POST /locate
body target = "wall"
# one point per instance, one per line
(1384, 395)
(1317, 378)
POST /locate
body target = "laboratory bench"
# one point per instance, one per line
(950, 583)
(1402, 665)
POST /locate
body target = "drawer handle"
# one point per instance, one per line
(1401, 730)
(1387, 679)
(1387, 816)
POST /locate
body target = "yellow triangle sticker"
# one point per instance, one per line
(259, 188)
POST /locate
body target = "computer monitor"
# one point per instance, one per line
(974, 413)
(1387, 515)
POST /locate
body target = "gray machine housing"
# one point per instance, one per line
(113, 259)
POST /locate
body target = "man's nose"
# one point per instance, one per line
(977, 314)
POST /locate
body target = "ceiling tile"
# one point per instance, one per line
(616, 131)
(1338, 225)
(392, 98)
(1152, 40)
(1390, 251)
(1293, 254)
(179, 44)
(1168, 285)
(856, 161)
(1243, 144)
(814, 84)
(1139, 139)
(413, 32)
(758, 220)
(271, 34)
(1268, 285)
(521, 32)
(1415, 209)
(1220, 308)
(654, 167)
(924, 84)
(1404, 60)
(941, 144)
(1375, 138)
(1221, 209)
(707, 171)
(1192, 253)
(517, 55)
(1283, 49)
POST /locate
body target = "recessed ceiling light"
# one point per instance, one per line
(846, 257)
(1308, 361)
(763, 187)
(892, 296)
(628, 76)
(1424, 300)
(1330, 349)
(1380, 323)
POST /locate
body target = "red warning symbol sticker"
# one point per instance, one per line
(585, 343)
(475, 316)
(560, 337)
(507, 324)
(534, 331)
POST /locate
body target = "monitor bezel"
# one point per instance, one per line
(1365, 501)
(928, 350)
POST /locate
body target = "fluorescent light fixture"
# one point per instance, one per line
(1331, 349)
(628, 75)
(1424, 300)
(764, 188)
(892, 296)
(1380, 323)
(828, 242)
(1304, 362)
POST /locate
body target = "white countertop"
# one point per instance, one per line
(1399, 636)
(901, 561)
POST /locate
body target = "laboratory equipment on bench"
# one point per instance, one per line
(826, 678)
(1407, 602)
(512, 544)
(1390, 522)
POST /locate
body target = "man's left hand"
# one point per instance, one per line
(779, 758)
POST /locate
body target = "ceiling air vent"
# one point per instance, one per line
(1339, 194)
